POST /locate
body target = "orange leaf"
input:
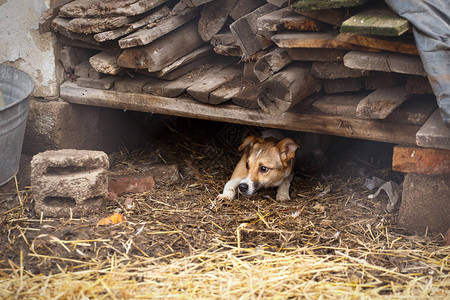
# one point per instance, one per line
(115, 218)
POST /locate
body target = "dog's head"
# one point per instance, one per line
(268, 162)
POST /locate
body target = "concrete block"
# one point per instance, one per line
(425, 204)
(69, 182)
(57, 125)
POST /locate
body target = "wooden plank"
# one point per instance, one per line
(375, 42)
(131, 84)
(104, 83)
(202, 89)
(278, 3)
(342, 126)
(285, 89)
(100, 8)
(271, 63)
(185, 5)
(421, 160)
(380, 103)
(244, 7)
(185, 60)
(303, 5)
(60, 25)
(284, 18)
(96, 25)
(334, 70)
(213, 17)
(416, 110)
(342, 85)
(175, 44)
(129, 28)
(66, 41)
(70, 57)
(378, 80)
(48, 15)
(333, 17)
(225, 44)
(246, 32)
(386, 62)
(164, 26)
(340, 104)
(376, 21)
(434, 133)
(248, 96)
(418, 85)
(316, 54)
(313, 40)
(106, 62)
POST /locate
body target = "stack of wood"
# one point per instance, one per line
(343, 57)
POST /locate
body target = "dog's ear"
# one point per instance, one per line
(287, 149)
(248, 142)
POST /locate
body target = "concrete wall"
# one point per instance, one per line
(25, 49)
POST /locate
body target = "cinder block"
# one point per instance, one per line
(425, 204)
(69, 182)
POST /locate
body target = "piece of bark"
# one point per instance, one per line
(339, 104)
(333, 17)
(326, 4)
(213, 16)
(375, 42)
(434, 133)
(316, 54)
(185, 60)
(246, 32)
(244, 7)
(418, 85)
(175, 44)
(376, 21)
(334, 70)
(285, 89)
(105, 83)
(131, 84)
(271, 63)
(96, 25)
(100, 8)
(313, 40)
(225, 44)
(386, 62)
(164, 26)
(146, 21)
(248, 96)
(202, 89)
(380, 103)
(106, 62)
(343, 85)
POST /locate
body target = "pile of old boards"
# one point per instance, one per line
(352, 58)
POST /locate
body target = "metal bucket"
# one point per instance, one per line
(16, 86)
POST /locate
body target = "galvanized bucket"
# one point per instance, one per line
(15, 86)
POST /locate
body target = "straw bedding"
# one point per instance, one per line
(329, 241)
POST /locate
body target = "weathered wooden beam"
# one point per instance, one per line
(342, 126)
(313, 40)
(271, 63)
(164, 26)
(421, 160)
(248, 95)
(342, 85)
(96, 25)
(106, 62)
(100, 8)
(333, 17)
(246, 32)
(60, 25)
(285, 89)
(213, 17)
(48, 15)
(326, 4)
(284, 18)
(386, 62)
(375, 42)
(434, 133)
(244, 7)
(416, 110)
(132, 84)
(340, 104)
(278, 3)
(130, 28)
(380, 103)
(185, 5)
(418, 85)
(376, 21)
(104, 83)
(225, 44)
(316, 54)
(334, 70)
(175, 44)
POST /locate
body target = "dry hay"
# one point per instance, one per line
(329, 241)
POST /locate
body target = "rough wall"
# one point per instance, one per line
(24, 48)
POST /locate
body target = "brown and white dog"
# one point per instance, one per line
(266, 162)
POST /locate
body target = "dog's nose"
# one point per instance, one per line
(243, 188)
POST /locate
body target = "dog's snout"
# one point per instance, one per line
(243, 188)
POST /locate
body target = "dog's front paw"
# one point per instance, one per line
(224, 197)
(282, 196)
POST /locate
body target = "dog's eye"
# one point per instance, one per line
(247, 166)
(264, 169)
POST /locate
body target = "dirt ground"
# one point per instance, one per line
(329, 218)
